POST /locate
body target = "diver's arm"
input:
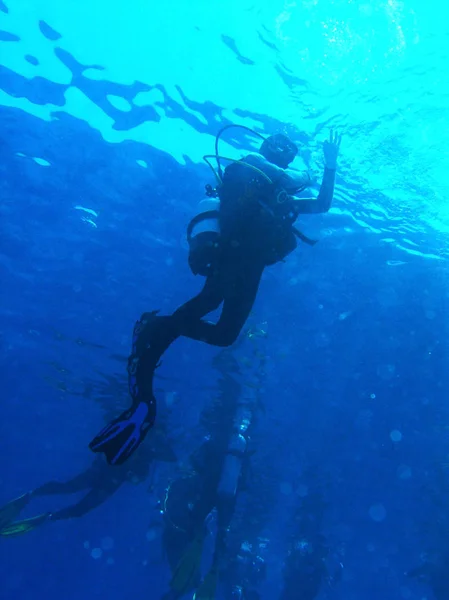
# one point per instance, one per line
(323, 202)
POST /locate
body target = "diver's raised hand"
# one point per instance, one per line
(331, 148)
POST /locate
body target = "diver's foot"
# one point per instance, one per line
(9, 512)
(121, 438)
(20, 527)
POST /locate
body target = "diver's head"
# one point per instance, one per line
(279, 150)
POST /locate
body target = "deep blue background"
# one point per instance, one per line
(356, 347)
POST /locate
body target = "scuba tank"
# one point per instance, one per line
(232, 467)
(203, 234)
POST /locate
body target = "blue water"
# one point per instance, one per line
(106, 111)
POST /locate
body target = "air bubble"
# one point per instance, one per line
(96, 553)
(404, 472)
(322, 340)
(344, 315)
(396, 435)
(286, 488)
(151, 535)
(107, 543)
(377, 512)
(386, 372)
(169, 398)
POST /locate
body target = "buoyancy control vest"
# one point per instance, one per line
(256, 213)
(253, 205)
(250, 211)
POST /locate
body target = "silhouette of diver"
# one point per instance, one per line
(249, 227)
(211, 486)
(100, 481)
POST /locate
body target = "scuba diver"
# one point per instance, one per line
(99, 482)
(205, 498)
(247, 225)
(244, 567)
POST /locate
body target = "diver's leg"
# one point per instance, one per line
(240, 287)
(94, 498)
(55, 488)
(161, 332)
(152, 335)
(10, 511)
(157, 333)
(123, 435)
(98, 474)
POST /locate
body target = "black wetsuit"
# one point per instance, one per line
(101, 483)
(257, 212)
(251, 239)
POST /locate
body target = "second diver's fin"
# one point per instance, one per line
(208, 587)
(187, 571)
(21, 527)
(10, 511)
(121, 437)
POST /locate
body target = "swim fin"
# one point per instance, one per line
(121, 438)
(25, 526)
(11, 510)
(187, 571)
(208, 587)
